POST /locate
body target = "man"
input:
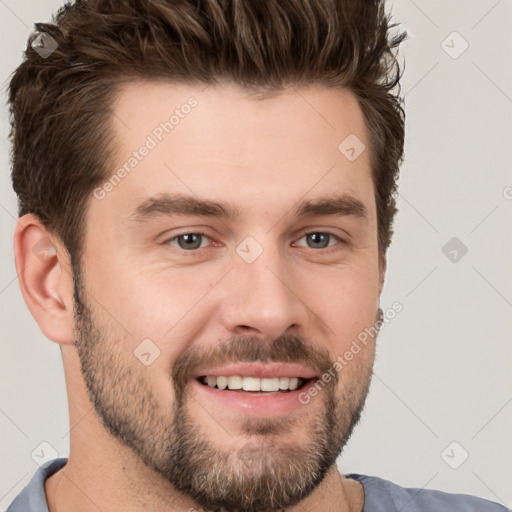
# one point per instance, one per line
(206, 201)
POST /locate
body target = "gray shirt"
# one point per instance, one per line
(380, 496)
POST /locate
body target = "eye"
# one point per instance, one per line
(321, 240)
(194, 240)
(188, 241)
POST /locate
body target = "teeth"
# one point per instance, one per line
(283, 382)
(253, 383)
(222, 382)
(270, 384)
(294, 383)
(234, 382)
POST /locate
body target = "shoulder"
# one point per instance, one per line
(32, 498)
(385, 496)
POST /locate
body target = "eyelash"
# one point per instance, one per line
(325, 250)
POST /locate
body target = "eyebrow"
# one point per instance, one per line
(177, 204)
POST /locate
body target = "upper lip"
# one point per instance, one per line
(260, 370)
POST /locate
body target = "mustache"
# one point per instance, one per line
(288, 348)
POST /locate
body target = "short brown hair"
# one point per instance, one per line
(61, 145)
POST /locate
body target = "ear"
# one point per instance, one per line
(45, 278)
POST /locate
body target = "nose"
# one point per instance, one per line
(263, 298)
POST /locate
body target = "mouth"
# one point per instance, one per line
(254, 385)
(254, 389)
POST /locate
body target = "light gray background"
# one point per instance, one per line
(443, 367)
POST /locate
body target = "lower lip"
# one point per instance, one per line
(256, 405)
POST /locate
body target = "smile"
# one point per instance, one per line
(253, 384)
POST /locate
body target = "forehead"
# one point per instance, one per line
(218, 141)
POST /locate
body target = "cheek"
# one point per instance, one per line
(145, 299)
(161, 310)
(347, 303)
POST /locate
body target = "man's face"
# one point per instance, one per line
(172, 296)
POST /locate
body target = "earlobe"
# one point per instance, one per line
(45, 278)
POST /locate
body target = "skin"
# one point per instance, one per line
(265, 157)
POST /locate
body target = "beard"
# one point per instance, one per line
(268, 473)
